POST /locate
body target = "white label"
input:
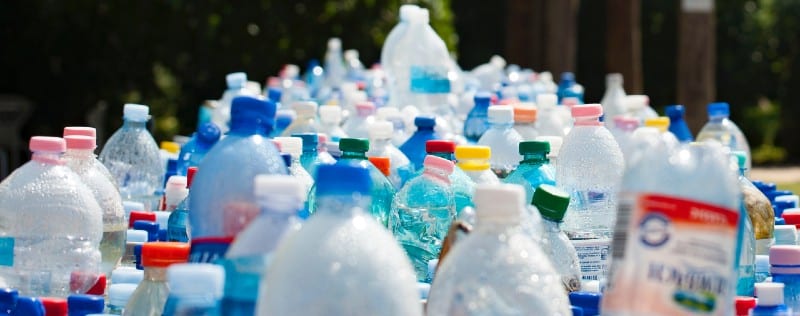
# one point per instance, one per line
(594, 255)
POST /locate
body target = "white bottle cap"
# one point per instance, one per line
(555, 144)
(545, 76)
(305, 108)
(269, 186)
(196, 279)
(380, 130)
(118, 294)
(785, 235)
(162, 219)
(330, 114)
(236, 80)
(636, 101)
(350, 54)
(387, 112)
(499, 202)
(254, 87)
(592, 286)
(500, 114)
(334, 43)
(176, 182)
(769, 294)
(126, 275)
(136, 112)
(545, 100)
(497, 61)
(424, 290)
(762, 263)
(406, 11)
(132, 206)
(136, 236)
(291, 145)
(423, 15)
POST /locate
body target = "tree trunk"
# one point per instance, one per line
(624, 42)
(696, 60)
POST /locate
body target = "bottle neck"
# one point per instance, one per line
(587, 121)
(551, 225)
(53, 158)
(354, 155)
(245, 128)
(135, 124)
(496, 226)
(501, 125)
(436, 174)
(743, 172)
(535, 158)
(155, 274)
(443, 155)
(80, 154)
(344, 205)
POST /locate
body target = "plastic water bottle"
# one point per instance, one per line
(677, 123)
(771, 300)
(723, 130)
(132, 157)
(534, 169)
(330, 117)
(118, 296)
(747, 240)
(176, 222)
(497, 269)
(28, 306)
(372, 261)
(525, 121)
(569, 88)
(589, 169)
(334, 64)
(91, 132)
(196, 148)
(503, 140)
(662, 124)
(549, 121)
(397, 32)
(151, 295)
(462, 185)
(675, 210)
(310, 159)
(414, 147)
(613, 101)
(222, 201)
(294, 147)
(623, 129)
(194, 289)
(306, 120)
(552, 204)
(762, 268)
(280, 198)
(236, 87)
(639, 107)
(82, 304)
(474, 161)
(358, 126)
(380, 139)
(422, 212)
(394, 116)
(57, 225)
(478, 118)
(81, 159)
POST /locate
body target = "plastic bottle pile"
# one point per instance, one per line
(408, 188)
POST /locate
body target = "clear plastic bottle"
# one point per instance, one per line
(747, 240)
(91, 132)
(294, 147)
(380, 139)
(474, 161)
(552, 203)
(81, 159)
(478, 118)
(497, 269)
(422, 212)
(549, 121)
(132, 157)
(311, 158)
(151, 295)
(83, 304)
(771, 301)
(51, 225)
(194, 289)
(639, 107)
(306, 120)
(723, 130)
(196, 148)
(758, 208)
(462, 185)
(613, 99)
(353, 66)
(397, 32)
(623, 129)
(330, 117)
(662, 124)
(525, 120)
(534, 169)
(222, 201)
(280, 198)
(414, 147)
(177, 220)
(503, 140)
(372, 261)
(236, 87)
(394, 116)
(677, 123)
(358, 126)
(335, 71)
(118, 296)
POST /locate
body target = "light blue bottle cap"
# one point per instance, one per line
(719, 109)
(343, 178)
(136, 112)
(236, 80)
(132, 206)
(762, 263)
(126, 275)
(162, 217)
(136, 236)
(196, 279)
(119, 294)
(424, 289)
(785, 235)
(28, 306)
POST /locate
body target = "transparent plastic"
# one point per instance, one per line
(151, 295)
(533, 171)
(400, 166)
(613, 99)
(504, 141)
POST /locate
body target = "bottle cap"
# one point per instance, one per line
(272, 186)
(80, 130)
(501, 114)
(767, 187)
(551, 201)
(779, 206)
(330, 114)
(744, 304)
(8, 298)
(587, 111)
(769, 294)
(545, 100)
(118, 294)
(406, 11)
(284, 117)
(364, 109)
(718, 109)
(334, 43)
(196, 279)
(28, 306)
(533, 147)
(482, 99)
(208, 133)
(343, 178)
(150, 227)
(54, 306)
(309, 140)
(762, 263)
(380, 130)
(82, 304)
(614, 78)
(785, 235)
(164, 254)
(499, 202)
(437, 163)
(176, 182)
(126, 275)
(771, 195)
(79, 142)
(675, 111)
(636, 101)
(425, 121)
(322, 139)
(136, 236)
(382, 163)
(784, 259)
(274, 94)
(99, 287)
(236, 80)
(136, 112)
(661, 123)
(47, 144)
(171, 147)
(291, 145)
(567, 77)
(555, 143)
(359, 145)
(793, 200)
(473, 158)
(305, 108)
(140, 216)
(440, 146)
(190, 176)
(525, 113)
(252, 110)
(588, 301)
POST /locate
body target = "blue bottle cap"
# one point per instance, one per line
(576, 311)
(274, 94)
(283, 120)
(310, 140)
(343, 178)
(675, 111)
(8, 298)
(28, 306)
(719, 109)
(246, 109)
(150, 227)
(82, 304)
(483, 99)
(287, 159)
(588, 301)
(425, 121)
(172, 166)
(137, 253)
(567, 77)
(780, 206)
(208, 133)
(771, 195)
(162, 234)
(779, 221)
(236, 80)
(126, 275)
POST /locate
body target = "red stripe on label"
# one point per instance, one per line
(689, 210)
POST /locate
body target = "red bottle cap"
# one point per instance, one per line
(140, 216)
(440, 146)
(190, 176)
(54, 306)
(99, 288)
(744, 304)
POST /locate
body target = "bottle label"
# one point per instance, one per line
(679, 259)
(429, 79)
(209, 249)
(7, 251)
(593, 255)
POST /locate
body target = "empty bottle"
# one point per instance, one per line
(196, 148)
(222, 201)
(623, 129)
(310, 159)
(380, 139)
(236, 87)
(525, 121)
(397, 31)
(503, 140)
(52, 227)
(330, 118)
(534, 169)
(497, 269)
(118, 296)
(613, 101)
(677, 123)
(549, 121)
(771, 300)
(81, 159)
(414, 147)
(194, 289)
(91, 132)
(150, 296)
(478, 118)
(132, 157)
(462, 185)
(422, 212)
(569, 88)
(334, 64)
(294, 147)
(759, 209)
(306, 120)
(723, 130)
(394, 116)
(552, 204)
(177, 220)
(474, 161)
(639, 107)
(357, 126)
(372, 262)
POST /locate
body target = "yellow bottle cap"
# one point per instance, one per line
(661, 123)
(473, 158)
(171, 147)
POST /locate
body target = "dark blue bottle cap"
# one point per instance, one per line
(310, 140)
(567, 77)
(208, 133)
(576, 311)
(483, 99)
(8, 298)
(137, 253)
(172, 166)
(343, 178)
(83, 304)
(675, 111)
(28, 306)
(425, 121)
(780, 206)
(283, 120)
(588, 301)
(771, 195)
(162, 234)
(249, 110)
(287, 159)
(767, 187)
(780, 221)
(274, 94)
(718, 109)
(150, 227)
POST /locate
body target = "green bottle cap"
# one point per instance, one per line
(532, 147)
(360, 145)
(552, 202)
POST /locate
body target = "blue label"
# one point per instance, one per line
(7, 251)
(208, 250)
(427, 79)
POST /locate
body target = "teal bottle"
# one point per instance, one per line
(534, 169)
(461, 183)
(311, 157)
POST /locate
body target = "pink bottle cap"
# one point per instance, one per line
(784, 259)
(365, 108)
(322, 138)
(80, 130)
(80, 142)
(439, 164)
(570, 102)
(626, 123)
(587, 114)
(277, 144)
(47, 144)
